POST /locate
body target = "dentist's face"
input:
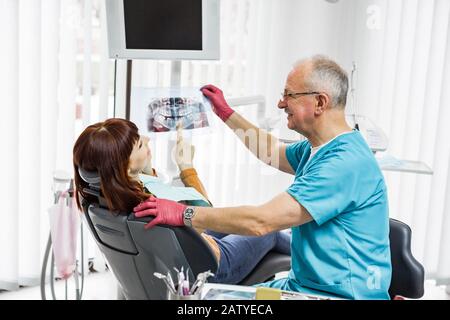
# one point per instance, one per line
(140, 156)
(299, 109)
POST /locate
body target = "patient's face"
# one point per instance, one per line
(141, 156)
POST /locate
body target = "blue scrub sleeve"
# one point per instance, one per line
(326, 189)
(294, 153)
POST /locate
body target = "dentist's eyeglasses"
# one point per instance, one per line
(285, 95)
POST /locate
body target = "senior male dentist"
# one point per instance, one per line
(337, 205)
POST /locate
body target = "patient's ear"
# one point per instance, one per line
(149, 169)
(132, 174)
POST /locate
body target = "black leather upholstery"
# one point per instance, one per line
(407, 273)
(134, 254)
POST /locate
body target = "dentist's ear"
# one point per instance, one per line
(322, 103)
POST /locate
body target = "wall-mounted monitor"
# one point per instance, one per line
(163, 29)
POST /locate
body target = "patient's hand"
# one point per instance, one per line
(184, 153)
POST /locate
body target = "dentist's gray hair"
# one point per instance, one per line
(327, 76)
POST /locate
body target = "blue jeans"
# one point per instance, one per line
(239, 255)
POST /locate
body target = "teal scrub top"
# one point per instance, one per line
(345, 250)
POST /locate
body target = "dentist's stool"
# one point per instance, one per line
(407, 273)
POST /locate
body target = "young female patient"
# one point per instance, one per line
(116, 151)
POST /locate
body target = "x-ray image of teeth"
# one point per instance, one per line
(157, 111)
(165, 113)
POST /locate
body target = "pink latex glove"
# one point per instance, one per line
(220, 106)
(165, 211)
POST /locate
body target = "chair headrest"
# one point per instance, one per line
(91, 177)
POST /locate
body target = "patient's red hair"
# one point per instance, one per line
(105, 147)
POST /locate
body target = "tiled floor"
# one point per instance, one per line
(102, 286)
(97, 286)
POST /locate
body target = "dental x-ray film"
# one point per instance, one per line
(156, 110)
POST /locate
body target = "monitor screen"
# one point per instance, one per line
(163, 25)
(163, 29)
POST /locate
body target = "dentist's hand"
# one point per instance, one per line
(184, 153)
(220, 106)
(165, 212)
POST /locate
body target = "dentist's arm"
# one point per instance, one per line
(280, 213)
(262, 144)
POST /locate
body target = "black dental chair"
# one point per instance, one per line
(133, 254)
